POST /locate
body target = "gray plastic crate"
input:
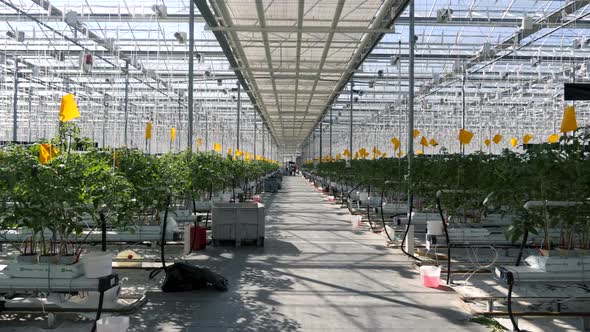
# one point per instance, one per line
(238, 222)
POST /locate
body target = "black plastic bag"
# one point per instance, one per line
(182, 277)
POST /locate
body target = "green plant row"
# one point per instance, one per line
(117, 185)
(559, 172)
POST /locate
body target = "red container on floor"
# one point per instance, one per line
(198, 238)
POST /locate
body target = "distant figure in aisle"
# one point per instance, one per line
(292, 168)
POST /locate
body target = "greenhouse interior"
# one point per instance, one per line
(295, 165)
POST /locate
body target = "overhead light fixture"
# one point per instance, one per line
(577, 43)
(107, 100)
(180, 37)
(394, 60)
(487, 52)
(371, 84)
(19, 36)
(72, 19)
(444, 15)
(160, 10)
(380, 73)
(219, 82)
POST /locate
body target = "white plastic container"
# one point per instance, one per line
(356, 221)
(331, 199)
(112, 324)
(96, 265)
(434, 227)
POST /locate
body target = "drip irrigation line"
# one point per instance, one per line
(155, 272)
(407, 229)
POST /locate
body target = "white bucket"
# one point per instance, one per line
(112, 324)
(434, 227)
(356, 221)
(430, 276)
(97, 265)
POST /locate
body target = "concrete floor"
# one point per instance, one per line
(314, 274)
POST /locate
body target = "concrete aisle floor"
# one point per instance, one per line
(314, 274)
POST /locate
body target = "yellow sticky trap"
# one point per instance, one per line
(554, 138)
(68, 109)
(423, 141)
(363, 153)
(416, 133)
(513, 142)
(465, 136)
(338, 156)
(527, 138)
(346, 153)
(400, 154)
(433, 142)
(217, 147)
(569, 122)
(396, 143)
(247, 157)
(419, 152)
(172, 133)
(497, 138)
(384, 155)
(199, 142)
(148, 130)
(46, 153)
(487, 142)
(229, 151)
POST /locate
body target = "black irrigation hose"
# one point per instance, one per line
(383, 218)
(522, 245)
(369, 210)
(369, 217)
(509, 305)
(442, 219)
(348, 202)
(407, 229)
(103, 231)
(162, 244)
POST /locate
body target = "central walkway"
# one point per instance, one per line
(314, 274)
